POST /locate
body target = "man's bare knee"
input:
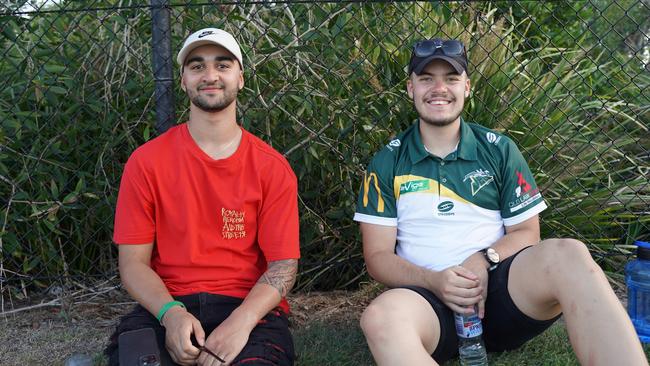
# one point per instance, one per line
(400, 312)
(371, 320)
(567, 262)
(561, 254)
(379, 322)
(563, 263)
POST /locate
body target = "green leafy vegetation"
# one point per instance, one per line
(325, 85)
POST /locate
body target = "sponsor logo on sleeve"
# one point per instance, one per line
(492, 138)
(478, 179)
(522, 185)
(525, 194)
(394, 143)
(233, 224)
(445, 207)
(366, 191)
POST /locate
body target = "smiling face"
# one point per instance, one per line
(211, 78)
(438, 93)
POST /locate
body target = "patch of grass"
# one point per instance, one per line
(322, 343)
(550, 348)
(50, 344)
(325, 329)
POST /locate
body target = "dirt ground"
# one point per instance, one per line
(82, 322)
(32, 333)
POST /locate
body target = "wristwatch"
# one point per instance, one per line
(492, 257)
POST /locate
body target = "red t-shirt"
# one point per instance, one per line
(215, 224)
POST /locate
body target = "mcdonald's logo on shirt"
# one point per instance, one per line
(366, 191)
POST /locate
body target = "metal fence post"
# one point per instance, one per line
(162, 65)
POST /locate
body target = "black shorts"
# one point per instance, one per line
(270, 342)
(505, 327)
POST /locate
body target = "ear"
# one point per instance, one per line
(409, 87)
(468, 87)
(241, 80)
(183, 83)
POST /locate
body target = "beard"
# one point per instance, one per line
(436, 120)
(227, 98)
(439, 122)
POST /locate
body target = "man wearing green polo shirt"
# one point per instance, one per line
(462, 205)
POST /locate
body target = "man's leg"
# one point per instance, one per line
(270, 343)
(559, 275)
(401, 328)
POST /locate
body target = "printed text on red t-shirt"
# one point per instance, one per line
(233, 224)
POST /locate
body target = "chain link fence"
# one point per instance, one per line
(325, 85)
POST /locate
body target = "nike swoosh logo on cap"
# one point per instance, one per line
(206, 33)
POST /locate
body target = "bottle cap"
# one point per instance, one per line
(643, 244)
(642, 250)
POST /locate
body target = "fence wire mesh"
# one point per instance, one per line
(325, 85)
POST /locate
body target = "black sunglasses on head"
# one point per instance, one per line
(429, 47)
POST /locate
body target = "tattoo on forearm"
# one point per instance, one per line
(281, 275)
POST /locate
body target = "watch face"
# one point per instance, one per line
(492, 255)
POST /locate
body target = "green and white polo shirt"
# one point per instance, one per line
(447, 209)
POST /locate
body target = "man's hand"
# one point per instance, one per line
(180, 325)
(477, 264)
(227, 340)
(459, 288)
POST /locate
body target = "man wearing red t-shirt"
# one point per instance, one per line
(207, 226)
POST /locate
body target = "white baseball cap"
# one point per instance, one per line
(210, 36)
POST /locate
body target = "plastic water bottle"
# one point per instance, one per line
(637, 277)
(79, 359)
(470, 343)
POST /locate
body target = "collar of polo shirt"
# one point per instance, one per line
(467, 149)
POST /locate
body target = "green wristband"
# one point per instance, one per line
(166, 307)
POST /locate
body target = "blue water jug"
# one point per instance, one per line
(637, 277)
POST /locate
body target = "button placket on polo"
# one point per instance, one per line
(441, 172)
(442, 175)
(437, 163)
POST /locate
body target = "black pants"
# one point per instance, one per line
(505, 327)
(270, 342)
